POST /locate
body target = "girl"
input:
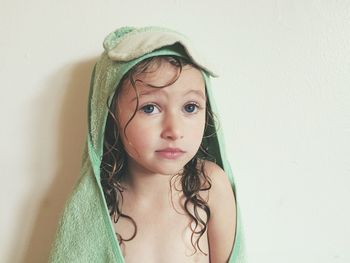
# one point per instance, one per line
(153, 186)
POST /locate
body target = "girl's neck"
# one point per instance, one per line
(146, 187)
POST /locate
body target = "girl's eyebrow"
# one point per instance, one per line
(146, 93)
(198, 92)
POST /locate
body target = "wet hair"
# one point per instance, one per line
(114, 160)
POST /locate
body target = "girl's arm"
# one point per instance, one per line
(222, 223)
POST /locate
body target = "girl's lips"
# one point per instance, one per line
(170, 149)
(170, 153)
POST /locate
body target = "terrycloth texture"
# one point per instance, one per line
(85, 232)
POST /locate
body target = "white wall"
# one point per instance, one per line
(283, 96)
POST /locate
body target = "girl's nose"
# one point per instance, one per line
(172, 129)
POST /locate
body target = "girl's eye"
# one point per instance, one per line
(150, 109)
(191, 107)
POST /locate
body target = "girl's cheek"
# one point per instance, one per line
(139, 137)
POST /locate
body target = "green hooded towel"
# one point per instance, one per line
(85, 232)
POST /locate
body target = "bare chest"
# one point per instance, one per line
(163, 235)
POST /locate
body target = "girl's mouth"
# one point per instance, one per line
(170, 153)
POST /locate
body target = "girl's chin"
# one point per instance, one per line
(164, 167)
(167, 169)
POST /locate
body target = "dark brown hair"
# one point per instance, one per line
(114, 161)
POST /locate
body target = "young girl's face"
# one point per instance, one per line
(168, 127)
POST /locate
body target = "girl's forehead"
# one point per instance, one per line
(161, 80)
(165, 70)
(170, 92)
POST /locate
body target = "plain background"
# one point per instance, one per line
(283, 97)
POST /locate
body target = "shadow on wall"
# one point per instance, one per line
(72, 126)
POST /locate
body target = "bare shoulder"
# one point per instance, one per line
(221, 186)
(222, 222)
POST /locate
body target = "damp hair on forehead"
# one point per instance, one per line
(193, 178)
